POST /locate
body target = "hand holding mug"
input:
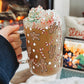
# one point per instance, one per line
(10, 33)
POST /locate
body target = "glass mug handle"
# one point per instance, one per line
(26, 60)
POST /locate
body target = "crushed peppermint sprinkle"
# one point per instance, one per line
(40, 16)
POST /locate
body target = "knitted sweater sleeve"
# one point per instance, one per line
(8, 61)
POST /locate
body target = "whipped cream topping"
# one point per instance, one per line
(39, 16)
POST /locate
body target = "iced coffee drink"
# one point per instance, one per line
(44, 41)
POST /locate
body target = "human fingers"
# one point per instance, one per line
(11, 29)
(16, 44)
(18, 51)
(14, 37)
(19, 57)
(8, 30)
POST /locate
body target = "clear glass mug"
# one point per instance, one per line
(44, 47)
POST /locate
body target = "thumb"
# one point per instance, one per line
(11, 29)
